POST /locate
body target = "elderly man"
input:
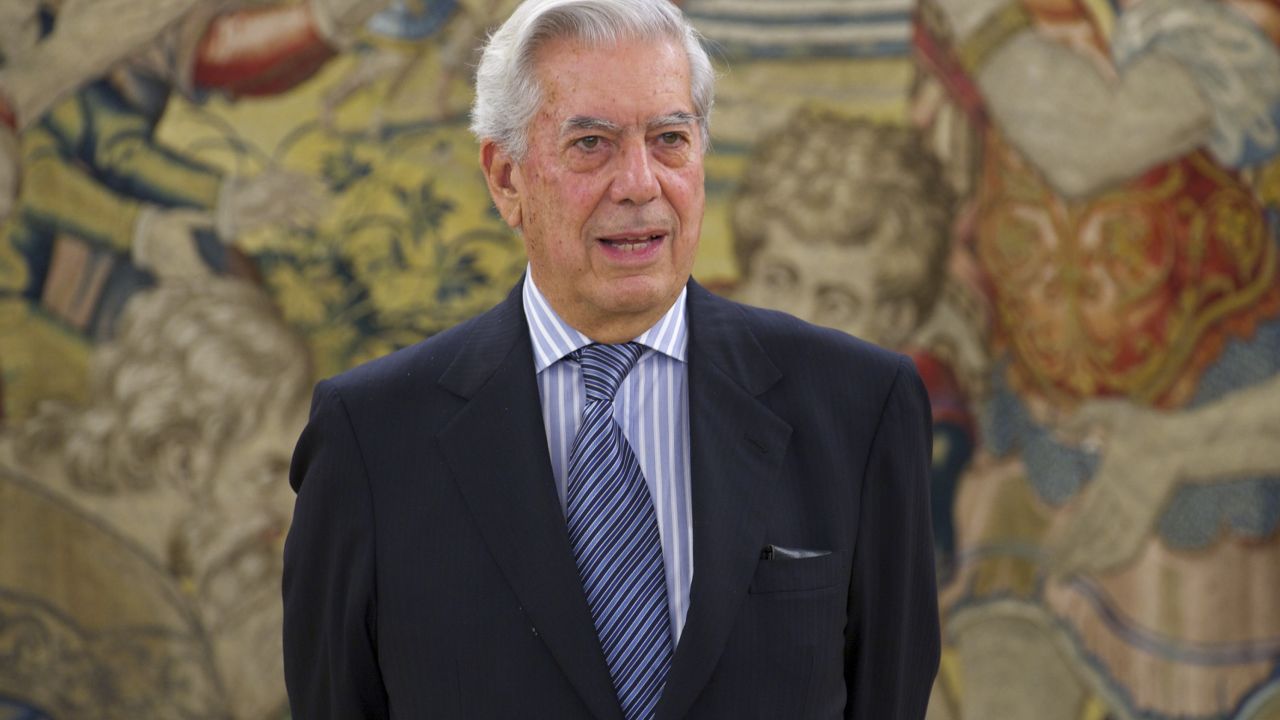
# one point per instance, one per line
(614, 495)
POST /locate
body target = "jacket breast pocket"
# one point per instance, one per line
(778, 575)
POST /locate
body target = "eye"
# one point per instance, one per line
(778, 277)
(590, 142)
(671, 138)
(837, 306)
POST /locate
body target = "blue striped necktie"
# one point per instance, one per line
(614, 532)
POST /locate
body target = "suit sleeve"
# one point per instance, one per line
(892, 637)
(330, 655)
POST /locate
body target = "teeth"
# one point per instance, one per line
(631, 246)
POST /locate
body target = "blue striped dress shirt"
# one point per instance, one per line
(652, 407)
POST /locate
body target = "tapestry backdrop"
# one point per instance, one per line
(1066, 211)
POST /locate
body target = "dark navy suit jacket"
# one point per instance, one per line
(428, 571)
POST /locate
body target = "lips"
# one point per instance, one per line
(633, 241)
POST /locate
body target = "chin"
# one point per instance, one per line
(638, 295)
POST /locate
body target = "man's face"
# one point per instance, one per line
(609, 196)
(830, 284)
(236, 535)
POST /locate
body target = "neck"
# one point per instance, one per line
(616, 331)
(610, 328)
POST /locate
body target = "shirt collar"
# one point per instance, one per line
(553, 338)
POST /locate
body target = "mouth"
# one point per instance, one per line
(633, 242)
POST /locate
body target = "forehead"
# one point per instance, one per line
(822, 257)
(628, 82)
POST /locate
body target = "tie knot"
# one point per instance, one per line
(604, 366)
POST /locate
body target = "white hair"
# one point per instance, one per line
(507, 91)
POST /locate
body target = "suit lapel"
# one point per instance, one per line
(737, 446)
(497, 448)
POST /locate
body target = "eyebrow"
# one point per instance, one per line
(578, 123)
(586, 122)
(675, 118)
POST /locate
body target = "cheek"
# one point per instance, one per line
(564, 202)
(580, 200)
(755, 292)
(688, 196)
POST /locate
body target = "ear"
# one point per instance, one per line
(501, 175)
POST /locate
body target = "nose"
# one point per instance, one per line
(635, 183)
